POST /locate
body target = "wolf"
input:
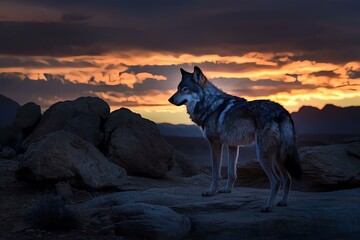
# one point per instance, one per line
(233, 122)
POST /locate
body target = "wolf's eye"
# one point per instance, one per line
(185, 89)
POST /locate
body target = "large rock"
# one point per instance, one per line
(8, 109)
(149, 221)
(82, 117)
(8, 152)
(11, 136)
(186, 164)
(331, 167)
(135, 144)
(28, 115)
(325, 168)
(63, 156)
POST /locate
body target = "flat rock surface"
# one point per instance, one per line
(237, 215)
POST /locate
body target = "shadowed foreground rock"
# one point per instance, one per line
(135, 144)
(332, 215)
(63, 156)
(82, 116)
(8, 109)
(186, 164)
(325, 168)
(11, 136)
(149, 221)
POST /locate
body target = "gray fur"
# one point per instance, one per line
(233, 121)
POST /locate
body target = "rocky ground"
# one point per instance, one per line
(328, 215)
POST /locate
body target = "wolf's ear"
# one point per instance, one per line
(183, 72)
(199, 77)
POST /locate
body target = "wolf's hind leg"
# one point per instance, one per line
(267, 162)
(233, 156)
(286, 182)
(215, 148)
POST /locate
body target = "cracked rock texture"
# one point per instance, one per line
(61, 156)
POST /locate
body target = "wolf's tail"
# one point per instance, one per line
(288, 152)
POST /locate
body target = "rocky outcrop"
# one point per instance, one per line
(8, 152)
(140, 220)
(63, 156)
(228, 216)
(82, 117)
(188, 168)
(8, 109)
(325, 168)
(28, 115)
(135, 144)
(331, 167)
(11, 136)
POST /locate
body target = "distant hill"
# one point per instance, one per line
(308, 120)
(180, 130)
(8, 109)
(329, 120)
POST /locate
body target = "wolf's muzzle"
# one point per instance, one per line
(172, 101)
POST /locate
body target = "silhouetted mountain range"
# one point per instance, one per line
(308, 120)
(330, 119)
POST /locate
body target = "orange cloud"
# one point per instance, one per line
(113, 69)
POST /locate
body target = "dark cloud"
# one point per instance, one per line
(247, 87)
(233, 67)
(330, 74)
(316, 30)
(353, 74)
(54, 87)
(74, 17)
(63, 39)
(45, 62)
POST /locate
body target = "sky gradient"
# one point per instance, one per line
(129, 52)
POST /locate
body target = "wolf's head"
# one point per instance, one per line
(190, 88)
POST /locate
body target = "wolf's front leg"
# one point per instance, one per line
(215, 148)
(233, 156)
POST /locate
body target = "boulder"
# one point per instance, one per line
(11, 136)
(63, 156)
(188, 168)
(135, 144)
(331, 167)
(28, 115)
(147, 221)
(8, 152)
(82, 117)
(3, 137)
(8, 109)
(325, 168)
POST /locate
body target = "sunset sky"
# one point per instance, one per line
(129, 52)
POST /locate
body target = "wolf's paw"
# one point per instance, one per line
(266, 209)
(282, 204)
(208, 193)
(225, 190)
